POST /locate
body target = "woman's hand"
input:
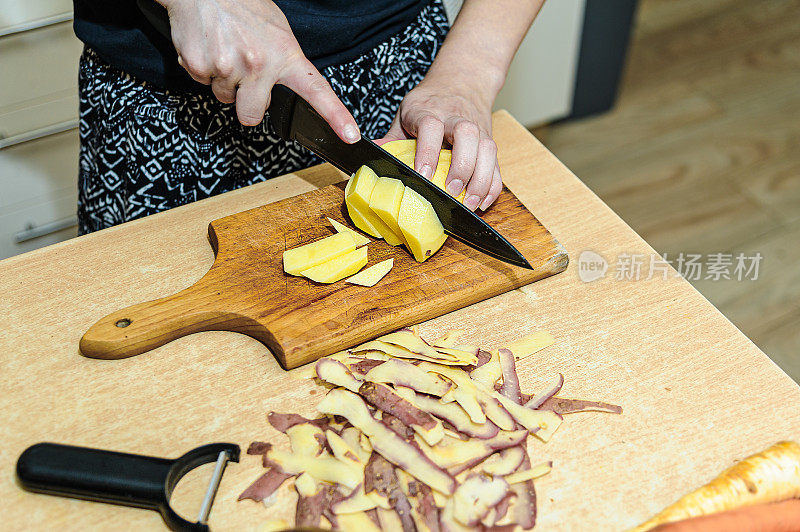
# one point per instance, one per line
(434, 112)
(242, 48)
(454, 101)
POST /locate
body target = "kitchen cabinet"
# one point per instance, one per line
(38, 124)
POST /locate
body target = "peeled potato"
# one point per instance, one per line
(357, 197)
(385, 201)
(338, 268)
(405, 150)
(385, 208)
(301, 258)
(421, 227)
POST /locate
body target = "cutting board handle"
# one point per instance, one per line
(145, 326)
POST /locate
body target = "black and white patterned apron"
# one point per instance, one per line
(145, 150)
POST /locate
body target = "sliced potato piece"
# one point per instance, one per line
(530, 344)
(370, 276)
(338, 268)
(421, 227)
(385, 201)
(357, 196)
(362, 222)
(360, 239)
(405, 150)
(301, 258)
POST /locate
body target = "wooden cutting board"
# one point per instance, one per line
(247, 291)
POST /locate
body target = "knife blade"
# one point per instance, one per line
(294, 119)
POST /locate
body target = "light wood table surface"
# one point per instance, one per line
(696, 393)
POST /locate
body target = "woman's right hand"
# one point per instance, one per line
(242, 48)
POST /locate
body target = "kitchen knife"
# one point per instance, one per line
(294, 119)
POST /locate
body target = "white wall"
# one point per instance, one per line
(540, 82)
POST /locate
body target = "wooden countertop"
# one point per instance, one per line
(697, 393)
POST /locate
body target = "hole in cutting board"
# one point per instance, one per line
(123, 322)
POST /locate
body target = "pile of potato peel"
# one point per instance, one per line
(417, 436)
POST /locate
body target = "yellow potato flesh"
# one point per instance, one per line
(357, 196)
(530, 344)
(338, 268)
(356, 217)
(304, 257)
(371, 275)
(385, 201)
(360, 239)
(421, 227)
(405, 150)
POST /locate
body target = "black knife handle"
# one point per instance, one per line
(94, 474)
(281, 110)
(157, 15)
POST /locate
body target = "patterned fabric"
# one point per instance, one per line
(145, 150)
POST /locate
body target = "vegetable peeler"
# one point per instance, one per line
(121, 478)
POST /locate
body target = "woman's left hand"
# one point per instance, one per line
(434, 112)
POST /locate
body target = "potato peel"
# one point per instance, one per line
(419, 436)
(387, 443)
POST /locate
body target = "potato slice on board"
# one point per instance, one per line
(338, 268)
(373, 274)
(304, 257)
(360, 239)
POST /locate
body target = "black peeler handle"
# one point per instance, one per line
(113, 477)
(94, 474)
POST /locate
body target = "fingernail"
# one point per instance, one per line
(472, 202)
(487, 202)
(425, 171)
(454, 187)
(351, 133)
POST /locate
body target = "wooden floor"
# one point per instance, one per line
(702, 151)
